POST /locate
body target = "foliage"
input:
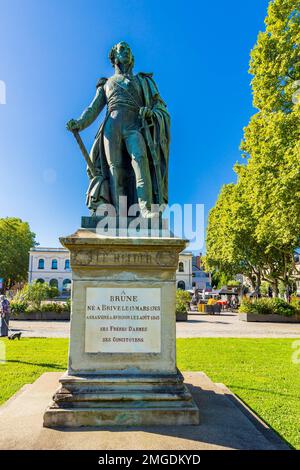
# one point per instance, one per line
(255, 225)
(182, 300)
(233, 283)
(295, 302)
(58, 307)
(52, 292)
(18, 306)
(264, 288)
(268, 306)
(35, 293)
(16, 239)
(218, 278)
(231, 245)
(275, 63)
(32, 299)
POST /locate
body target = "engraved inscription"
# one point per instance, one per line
(123, 320)
(113, 258)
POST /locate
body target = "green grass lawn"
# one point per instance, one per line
(259, 371)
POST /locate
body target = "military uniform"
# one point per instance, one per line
(120, 145)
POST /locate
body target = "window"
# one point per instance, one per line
(54, 264)
(53, 283)
(181, 285)
(181, 267)
(66, 285)
(41, 281)
(67, 264)
(41, 264)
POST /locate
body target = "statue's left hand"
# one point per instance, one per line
(145, 113)
(72, 125)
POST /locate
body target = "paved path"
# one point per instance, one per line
(225, 423)
(228, 325)
(222, 326)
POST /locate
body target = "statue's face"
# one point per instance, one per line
(123, 54)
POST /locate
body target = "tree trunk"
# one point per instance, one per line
(275, 288)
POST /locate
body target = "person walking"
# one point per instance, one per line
(4, 315)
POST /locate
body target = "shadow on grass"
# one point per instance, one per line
(39, 364)
(261, 390)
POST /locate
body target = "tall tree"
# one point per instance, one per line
(275, 59)
(265, 202)
(272, 138)
(16, 239)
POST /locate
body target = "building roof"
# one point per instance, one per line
(49, 249)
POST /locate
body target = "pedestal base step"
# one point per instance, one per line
(135, 400)
(120, 417)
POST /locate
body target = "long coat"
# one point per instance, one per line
(4, 317)
(99, 187)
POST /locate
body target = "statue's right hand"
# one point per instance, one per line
(72, 125)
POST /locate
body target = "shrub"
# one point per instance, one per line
(183, 299)
(267, 307)
(58, 307)
(64, 306)
(48, 307)
(18, 306)
(281, 307)
(36, 292)
(233, 283)
(31, 309)
(296, 304)
(52, 292)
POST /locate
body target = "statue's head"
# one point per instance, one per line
(121, 54)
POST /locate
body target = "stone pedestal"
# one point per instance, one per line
(122, 356)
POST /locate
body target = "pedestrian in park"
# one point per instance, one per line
(4, 315)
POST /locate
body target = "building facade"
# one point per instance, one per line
(51, 265)
(184, 273)
(201, 278)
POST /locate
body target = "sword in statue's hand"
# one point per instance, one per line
(71, 126)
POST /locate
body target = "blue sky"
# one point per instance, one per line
(51, 56)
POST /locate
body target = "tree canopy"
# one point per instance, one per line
(16, 239)
(254, 227)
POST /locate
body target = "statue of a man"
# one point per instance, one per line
(131, 150)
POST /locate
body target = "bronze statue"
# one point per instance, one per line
(130, 154)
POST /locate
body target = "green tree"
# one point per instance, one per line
(230, 242)
(183, 299)
(35, 293)
(275, 60)
(255, 226)
(272, 139)
(16, 239)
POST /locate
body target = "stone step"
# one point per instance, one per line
(102, 397)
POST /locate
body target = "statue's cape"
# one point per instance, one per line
(99, 188)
